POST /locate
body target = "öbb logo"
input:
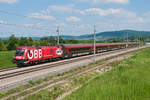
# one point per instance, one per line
(35, 54)
(59, 52)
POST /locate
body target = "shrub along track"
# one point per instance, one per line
(65, 78)
(29, 70)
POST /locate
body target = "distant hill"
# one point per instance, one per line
(116, 34)
(110, 35)
(103, 35)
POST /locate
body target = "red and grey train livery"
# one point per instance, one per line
(31, 55)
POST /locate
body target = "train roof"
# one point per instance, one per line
(74, 45)
(91, 45)
(35, 47)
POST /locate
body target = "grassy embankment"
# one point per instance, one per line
(6, 59)
(130, 80)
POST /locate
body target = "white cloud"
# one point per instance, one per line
(130, 17)
(126, 14)
(117, 1)
(119, 14)
(61, 8)
(73, 19)
(9, 1)
(41, 16)
(105, 1)
(101, 12)
(2, 22)
(146, 17)
(140, 19)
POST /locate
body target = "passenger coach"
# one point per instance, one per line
(33, 55)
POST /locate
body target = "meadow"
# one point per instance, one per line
(129, 80)
(6, 59)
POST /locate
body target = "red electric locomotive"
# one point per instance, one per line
(30, 55)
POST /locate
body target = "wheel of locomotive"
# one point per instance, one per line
(63, 56)
(36, 62)
(90, 52)
(70, 55)
(30, 63)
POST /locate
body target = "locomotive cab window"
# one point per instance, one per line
(20, 52)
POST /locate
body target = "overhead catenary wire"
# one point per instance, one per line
(18, 25)
(25, 16)
(76, 27)
(18, 15)
(10, 13)
(37, 28)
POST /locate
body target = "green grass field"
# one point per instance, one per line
(6, 58)
(130, 80)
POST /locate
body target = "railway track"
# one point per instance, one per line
(59, 79)
(8, 69)
(20, 72)
(14, 78)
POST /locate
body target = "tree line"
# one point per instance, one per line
(13, 42)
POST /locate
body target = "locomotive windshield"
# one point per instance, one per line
(20, 52)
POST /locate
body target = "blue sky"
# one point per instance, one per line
(74, 17)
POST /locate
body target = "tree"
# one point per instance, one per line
(30, 41)
(2, 46)
(12, 43)
(72, 41)
(43, 43)
(61, 40)
(23, 41)
(35, 43)
(44, 39)
(52, 40)
(115, 40)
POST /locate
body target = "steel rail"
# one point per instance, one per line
(7, 69)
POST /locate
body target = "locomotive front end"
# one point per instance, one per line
(20, 57)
